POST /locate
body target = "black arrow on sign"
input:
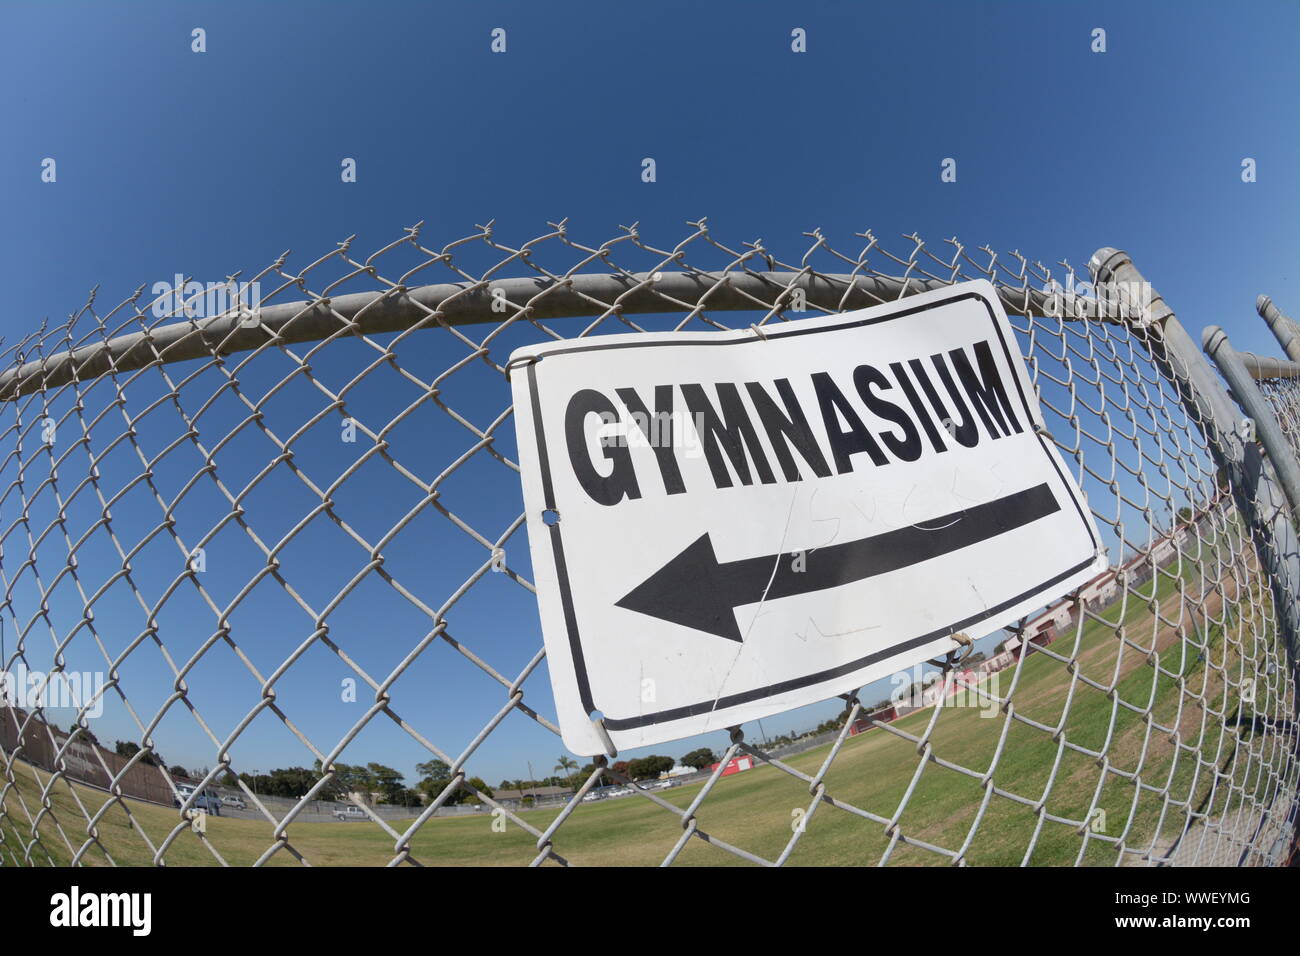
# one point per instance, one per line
(697, 590)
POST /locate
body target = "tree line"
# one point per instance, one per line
(435, 776)
(389, 785)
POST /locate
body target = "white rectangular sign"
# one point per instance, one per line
(727, 525)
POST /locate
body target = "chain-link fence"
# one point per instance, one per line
(1278, 379)
(1283, 395)
(289, 532)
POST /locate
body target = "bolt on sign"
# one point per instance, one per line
(727, 525)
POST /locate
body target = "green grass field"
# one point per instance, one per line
(756, 810)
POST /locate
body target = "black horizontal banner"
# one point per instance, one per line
(305, 906)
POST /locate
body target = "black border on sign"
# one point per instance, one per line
(808, 680)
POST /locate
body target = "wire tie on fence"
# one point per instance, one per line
(950, 660)
(520, 361)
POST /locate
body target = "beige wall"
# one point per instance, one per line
(81, 760)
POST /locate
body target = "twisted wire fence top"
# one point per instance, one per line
(234, 512)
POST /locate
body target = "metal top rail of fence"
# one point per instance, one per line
(1275, 381)
(230, 506)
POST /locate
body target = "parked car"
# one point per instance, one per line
(350, 813)
(207, 801)
(235, 803)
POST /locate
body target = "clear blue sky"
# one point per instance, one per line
(171, 161)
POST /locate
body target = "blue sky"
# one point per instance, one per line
(171, 161)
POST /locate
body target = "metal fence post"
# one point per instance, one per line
(1268, 432)
(1254, 481)
(1284, 329)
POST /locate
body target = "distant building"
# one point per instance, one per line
(885, 715)
(736, 765)
(1056, 618)
(997, 662)
(1100, 591)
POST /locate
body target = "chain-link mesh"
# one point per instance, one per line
(1283, 395)
(293, 537)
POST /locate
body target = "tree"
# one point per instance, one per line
(129, 748)
(699, 759)
(432, 786)
(567, 765)
(387, 780)
(479, 784)
(460, 795)
(353, 779)
(434, 777)
(649, 768)
(434, 769)
(338, 786)
(179, 771)
(403, 797)
(85, 734)
(282, 782)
